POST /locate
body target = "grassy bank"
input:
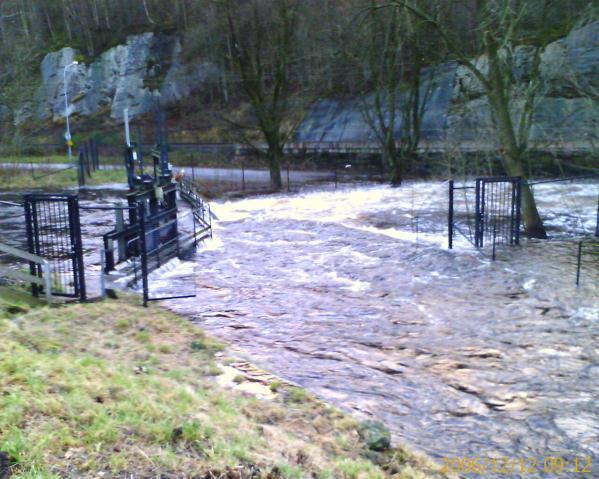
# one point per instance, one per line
(22, 179)
(110, 389)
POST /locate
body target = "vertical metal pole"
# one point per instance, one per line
(518, 208)
(78, 266)
(143, 255)
(108, 255)
(477, 235)
(30, 241)
(193, 218)
(287, 176)
(450, 217)
(578, 263)
(120, 226)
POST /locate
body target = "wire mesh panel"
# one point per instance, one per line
(486, 213)
(498, 211)
(54, 232)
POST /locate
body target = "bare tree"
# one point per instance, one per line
(400, 91)
(499, 32)
(260, 52)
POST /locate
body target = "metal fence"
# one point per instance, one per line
(488, 214)
(54, 233)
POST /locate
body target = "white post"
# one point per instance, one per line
(48, 281)
(67, 135)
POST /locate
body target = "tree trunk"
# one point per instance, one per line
(274, 156)
(394, 160)
(512, 162)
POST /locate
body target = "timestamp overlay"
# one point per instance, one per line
(519, 467)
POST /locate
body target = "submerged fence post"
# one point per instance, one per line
(478, 241)
(518, 208)
(450, 217)
(578, 263)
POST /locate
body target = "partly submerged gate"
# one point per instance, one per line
(498, 211)
(488, 213)
(54, 233)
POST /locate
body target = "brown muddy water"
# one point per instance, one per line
(353, 295)
(458, 355)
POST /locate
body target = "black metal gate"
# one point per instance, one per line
(54, 233)
(497, 219)
(489, 217)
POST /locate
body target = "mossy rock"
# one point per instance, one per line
(375, 435)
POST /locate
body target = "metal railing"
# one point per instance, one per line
(45, 280)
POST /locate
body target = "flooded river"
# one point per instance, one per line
(341, 292)
(353, 295)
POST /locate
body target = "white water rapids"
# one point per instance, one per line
(353, 294)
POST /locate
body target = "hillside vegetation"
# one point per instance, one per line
(108, 390)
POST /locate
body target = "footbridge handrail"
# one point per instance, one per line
(45, 280)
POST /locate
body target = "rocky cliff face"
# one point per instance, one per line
(148, 68)
(567, 108)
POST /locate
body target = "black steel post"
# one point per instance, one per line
(30, 242)
(73, 208)
(477, 235)
(36, 239)
(287, 176)
(143, 253)
(108, 257)
(518, 208)
(578, 263)
(450, 217)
